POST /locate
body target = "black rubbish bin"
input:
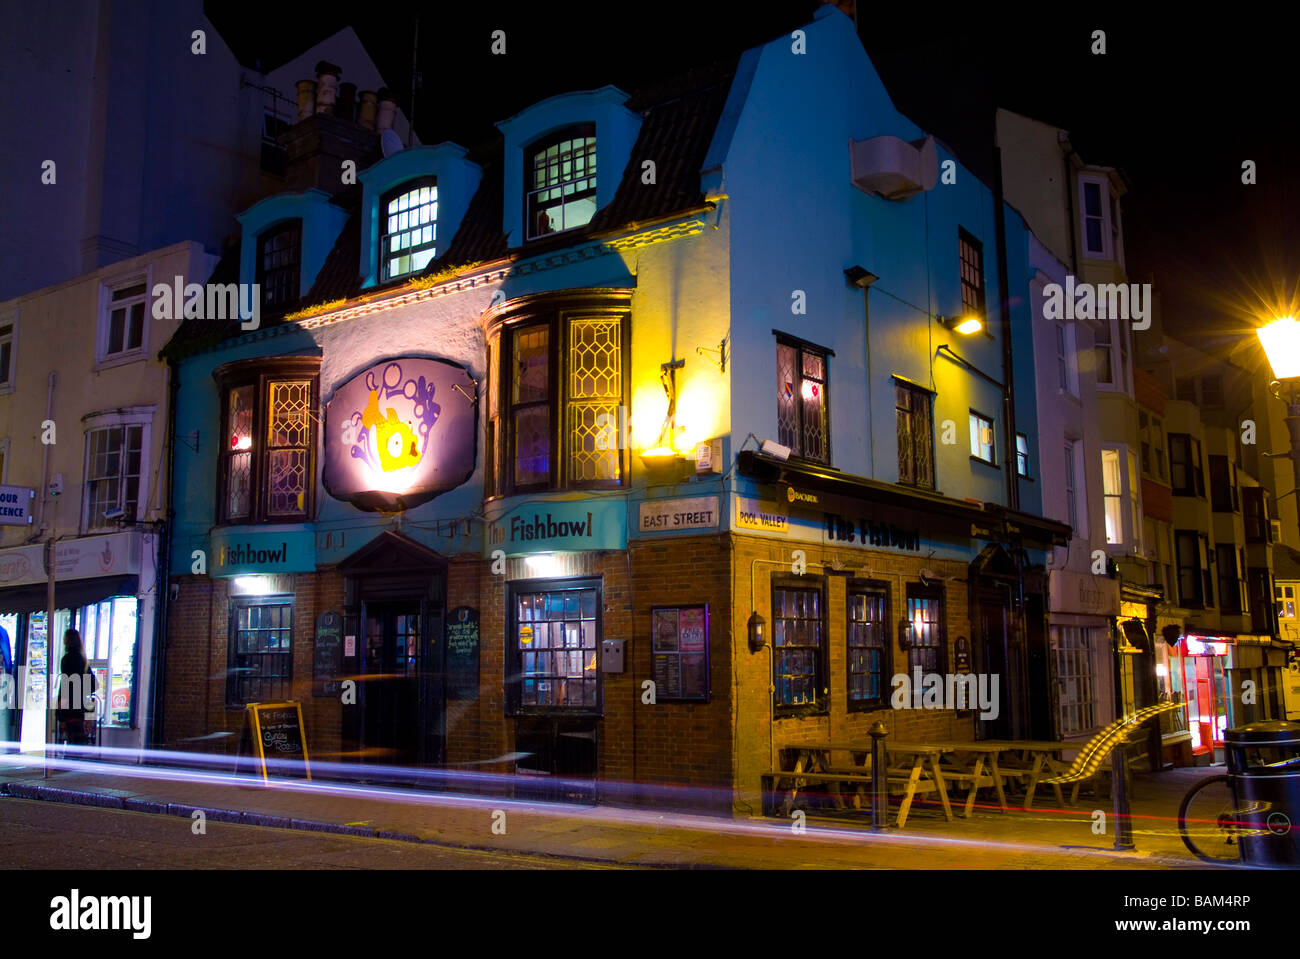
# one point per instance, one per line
(1264, 768)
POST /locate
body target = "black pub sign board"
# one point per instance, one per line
(327, 655)
(461, 662)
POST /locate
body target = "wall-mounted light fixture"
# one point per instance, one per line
(757, 631)
(775, 450)
(860, 277)
(664, 453)
(966, 325)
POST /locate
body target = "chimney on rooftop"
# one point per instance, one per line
(369, 101)
(327, 133)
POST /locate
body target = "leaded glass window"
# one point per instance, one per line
(595, 393)
(268, 437)
(802, 408)
(530, 405)
(561, 191)
(915, 414)
(288, 435)
(409, 218)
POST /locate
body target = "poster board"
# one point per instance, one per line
(273, 732)
(679, 655)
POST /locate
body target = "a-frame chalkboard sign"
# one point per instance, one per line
(274, 731)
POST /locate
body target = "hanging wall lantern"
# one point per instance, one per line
(757, 632)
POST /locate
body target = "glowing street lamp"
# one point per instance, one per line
(1281, 342)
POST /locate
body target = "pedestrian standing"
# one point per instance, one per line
(76, 686)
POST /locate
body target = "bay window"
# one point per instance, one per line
(268, 439)
(1119, 476)
(557, 384)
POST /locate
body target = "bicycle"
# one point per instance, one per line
(1211, 820)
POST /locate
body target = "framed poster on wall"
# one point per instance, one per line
(679, 653)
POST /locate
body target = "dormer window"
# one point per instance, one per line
(279, 264)
(561, 172)
(409, 219)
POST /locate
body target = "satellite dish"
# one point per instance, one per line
(390, 142)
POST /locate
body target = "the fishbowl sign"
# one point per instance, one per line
(400, 433)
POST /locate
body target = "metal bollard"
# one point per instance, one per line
(879, 778)
(1119, 797)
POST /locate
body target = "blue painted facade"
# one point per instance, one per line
(764, 251)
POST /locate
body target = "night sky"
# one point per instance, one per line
(1176, 105)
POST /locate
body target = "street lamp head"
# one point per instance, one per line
(1281, 342)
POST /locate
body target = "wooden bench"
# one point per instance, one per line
(898, 782)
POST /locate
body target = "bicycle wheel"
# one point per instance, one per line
(1209, 822)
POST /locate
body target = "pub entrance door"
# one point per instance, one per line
(395, 598)
(394, 659)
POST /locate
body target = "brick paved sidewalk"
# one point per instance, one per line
(990, 839)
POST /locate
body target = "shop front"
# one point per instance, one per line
(560, 560)
(1082, 607)
(104, 587)
(1198, 676)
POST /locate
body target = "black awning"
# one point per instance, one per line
(68, 594)
(819, 487)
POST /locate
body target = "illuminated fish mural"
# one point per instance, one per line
(390, 444)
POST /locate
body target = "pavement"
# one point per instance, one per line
(1043, 838)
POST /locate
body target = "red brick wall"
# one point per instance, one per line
(756, 560)
(721, 747)
(194, 693)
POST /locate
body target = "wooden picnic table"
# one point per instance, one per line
(1044, 759)
(922, 772)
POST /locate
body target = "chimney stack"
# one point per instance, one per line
(328, 132)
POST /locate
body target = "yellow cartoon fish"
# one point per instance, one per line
(397, 444)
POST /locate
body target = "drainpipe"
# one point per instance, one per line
(1008, 382)
(154, 734)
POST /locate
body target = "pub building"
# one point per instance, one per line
(576, 455)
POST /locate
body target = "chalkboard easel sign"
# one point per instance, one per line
(461, 662)
(273, 736)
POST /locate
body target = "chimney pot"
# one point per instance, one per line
(387, 110)
(306, 98)
(346, 107)
(366, 111)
